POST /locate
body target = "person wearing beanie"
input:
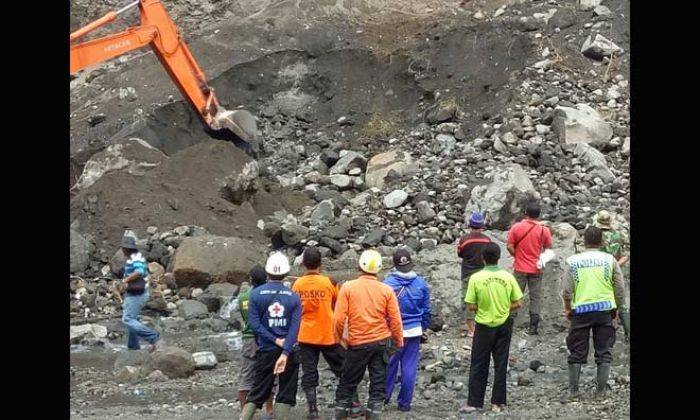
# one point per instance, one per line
(413, 295)
(318, 295)
(246, 376)
(274, 314)
(371, 311)
(469, 250)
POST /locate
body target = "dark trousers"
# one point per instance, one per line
(265, 379)
(466, 273)
(533, 282)
(489, 341)
(372, 356)
(309, 355)
(600, 323)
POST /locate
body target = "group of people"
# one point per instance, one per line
(363, 325)
(374, 325)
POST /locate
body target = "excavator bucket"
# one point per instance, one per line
(241, 123)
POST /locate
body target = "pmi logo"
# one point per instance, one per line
(117, 45)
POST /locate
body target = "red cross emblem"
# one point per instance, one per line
(276, 310)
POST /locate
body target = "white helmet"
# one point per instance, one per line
(277, 264)
(371, 261)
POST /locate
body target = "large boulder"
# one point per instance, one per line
(504, 198)
(594, 162)
(582, 124)
(207, 259)
(217, 295)
(174, 362)
(80, 250)
(382, 167)
(132, 155)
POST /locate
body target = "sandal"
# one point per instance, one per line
(466, 408)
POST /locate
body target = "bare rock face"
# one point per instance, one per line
(384, 165)
(504, 198)
(80, 250)
(200, 261)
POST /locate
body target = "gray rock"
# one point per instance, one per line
(349, 161)
(395, 199)
(192, 309)
(442, 112)
(323, 213)
(446, 143)
(156, 376)
(626, 147)
(582, 124)
(217, 295)
(200, 261)
(335, 232)
(204, 360)
(374, 237)
(292, 233)
(599, 47)
(503, 199)
(428, 243)
(81, 332)
(588, 4)
(563, 18)
(174, 362)
(333, 245)
(383, 166)
(343, 182)
(80, 250)
(594, 161)
(329, 157)
(128, 374)
(424, 212)
(602, 11)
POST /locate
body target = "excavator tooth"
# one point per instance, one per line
(241, 122)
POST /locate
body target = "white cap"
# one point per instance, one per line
(277, 264)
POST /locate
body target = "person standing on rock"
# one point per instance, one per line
(136, 283)
(274, 313)
(316, 335)
(594, 289)
(413, 295)
(246, 377)
(469, 250)
(527, 239)
(492, 294)
(614, 244)
(371, 311)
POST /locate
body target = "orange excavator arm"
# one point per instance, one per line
(159, 32)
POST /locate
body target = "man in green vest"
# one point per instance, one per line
(594, 290)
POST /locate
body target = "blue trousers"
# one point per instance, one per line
(134, 328)
(409, 359)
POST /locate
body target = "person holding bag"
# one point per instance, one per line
(136, 283)
(527, 240)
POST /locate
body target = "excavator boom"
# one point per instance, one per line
(159, 32)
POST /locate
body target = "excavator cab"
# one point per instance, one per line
(158, 31)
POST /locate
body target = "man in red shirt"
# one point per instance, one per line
(526, 241)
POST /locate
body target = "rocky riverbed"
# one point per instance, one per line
(382, 126)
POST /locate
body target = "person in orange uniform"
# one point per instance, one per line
(316, 335)
(371, 311)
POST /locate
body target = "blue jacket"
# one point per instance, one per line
(414, 299)
(274, 311)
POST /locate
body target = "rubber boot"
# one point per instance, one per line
(534, 322)
(602, 375)
(282, 411)
(311, 401)
(574, 375)
(241, 398)
(625, 321)
(248, 411)
(373, 412)
(268, 410)
(341, 413)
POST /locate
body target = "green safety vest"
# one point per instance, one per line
(592, 273)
